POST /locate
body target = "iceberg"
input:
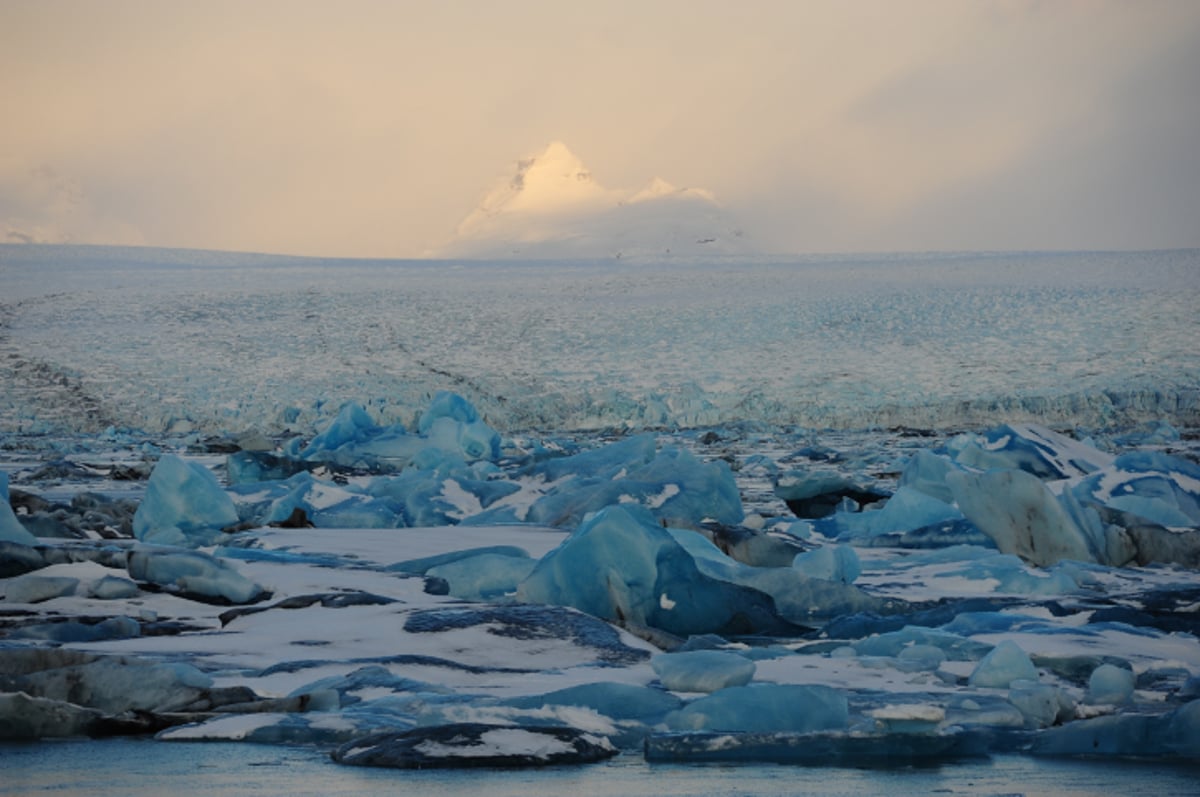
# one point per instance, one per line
(1021, 515)
(184, 504)
(622, 566)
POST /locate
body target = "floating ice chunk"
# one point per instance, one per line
(330, 505)
(920, 718)
(917, 658)
(1040, 704)
(702, 670)
(1155, 486)
(33, 588)
(112, 684)
(604, 462)
(451, 425)
(830, 563)
(617, 701)
(449, 406)
(484, 576)
(620, 563)
(1171, 736)
(673, 484)
(113, 588)
(765, 708)
(1110, 685)
(907, 510)
(11, 529)
(798, 597)
(1033, 449)
(895, 643)
(836, 748)
(475, 745)
(75, 631)
(1021, 515)
(16, 558)
(192, 573)
(352, 424)
(926, 473)
(183, 504)
(815, 494)
(420, 566)
(1005, 664)
(26, 717)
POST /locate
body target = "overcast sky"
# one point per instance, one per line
(373, 128)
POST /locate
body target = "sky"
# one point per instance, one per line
(371, 129)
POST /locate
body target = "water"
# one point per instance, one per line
(131, 766)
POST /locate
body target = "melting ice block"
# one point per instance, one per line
(765, 708)
(484, 576)
(11, 529)
(830, 563)
(33, 588)
(184, 505)
(450, 424)
(1110, 685)
(192, 573)
(1021, 515)
(702, 670)
(1030, 448)
(1005, 664)
(622, 566)
(674, 485)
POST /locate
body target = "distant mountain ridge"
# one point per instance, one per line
(552, 206)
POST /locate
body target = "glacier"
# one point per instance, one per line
(676, 510)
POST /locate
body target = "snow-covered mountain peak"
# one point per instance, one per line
(552, 206)
(658, 188)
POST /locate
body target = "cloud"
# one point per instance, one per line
(282, 126)
(41, 205)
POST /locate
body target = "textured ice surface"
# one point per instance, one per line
(161, 339)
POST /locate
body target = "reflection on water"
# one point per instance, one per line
(139, 766)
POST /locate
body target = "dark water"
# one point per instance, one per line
(130, 766)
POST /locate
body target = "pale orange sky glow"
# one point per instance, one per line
(374, 128)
